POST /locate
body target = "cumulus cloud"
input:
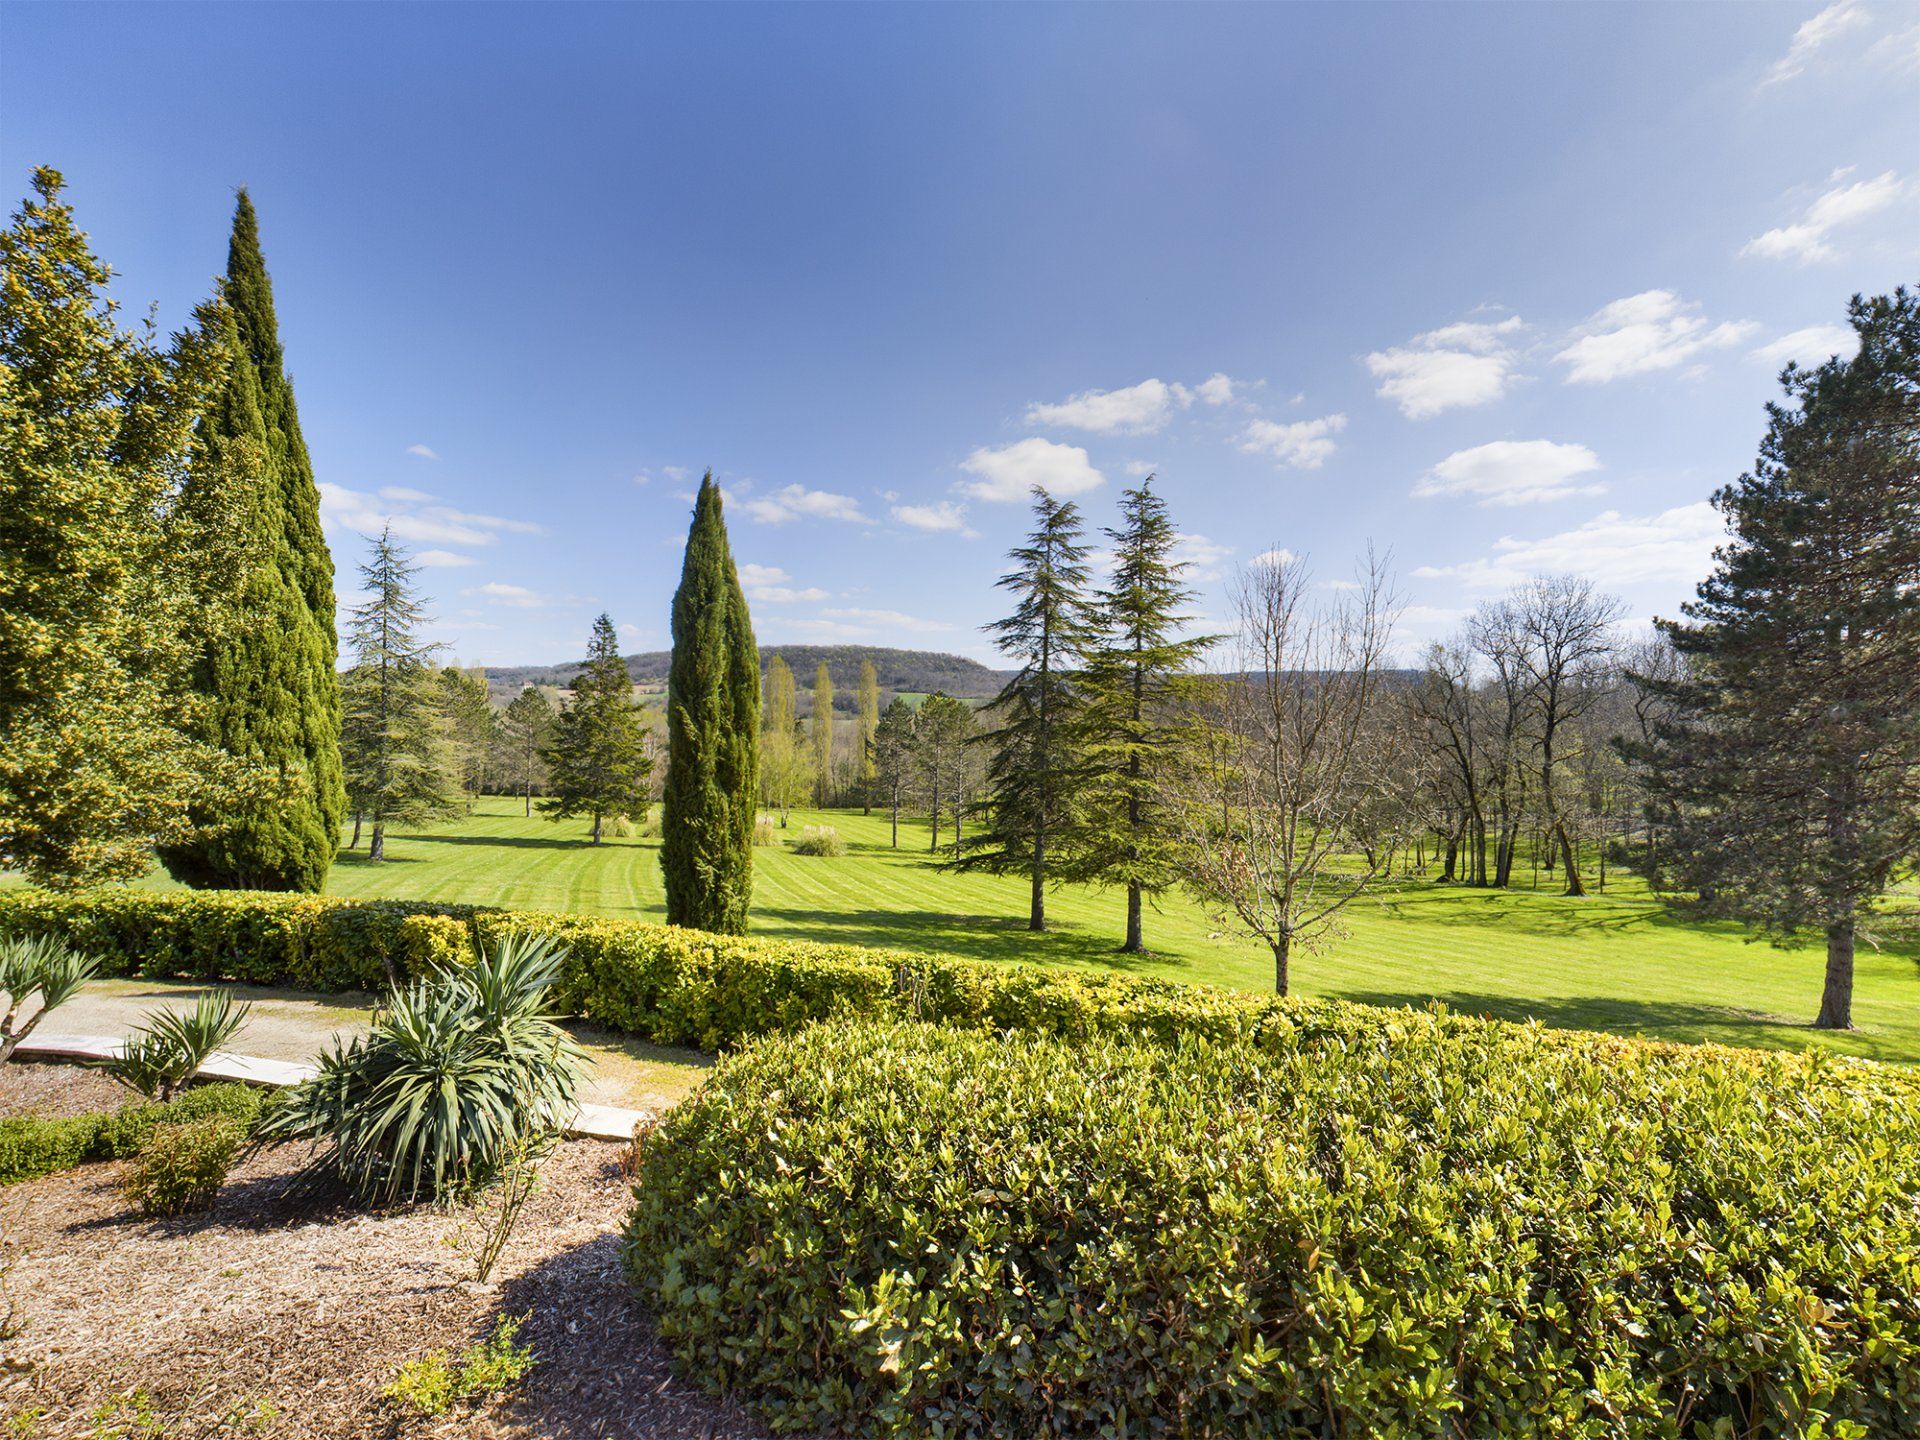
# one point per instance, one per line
(1146, 406)
(1216, 389)
(1810, 237)
(1461, 365)
(1512, 472)
(1006, 475)
(413, 516)
(1642, 334)
(516, 596)
(1205, 559)
(941, 516)
(1303, 445)
(1612, 550)
(1814, 345)
(797, 502)
(771, 584)
(1831, 23)
(423, 451)
(1139, 469)
(443, 559)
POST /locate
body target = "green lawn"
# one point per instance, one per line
(1613, 962)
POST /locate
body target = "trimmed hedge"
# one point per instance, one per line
(1464, 1229)
(33, 1145)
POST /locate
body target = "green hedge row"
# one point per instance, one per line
(1475, 1229)
(31, 1145)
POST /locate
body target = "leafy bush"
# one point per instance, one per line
(37, 971)
(168, 1051)
(818, 840)
(31, 1145)
(431, 1384)
(1459, 1230)
(453, 1074)
(182, 1166)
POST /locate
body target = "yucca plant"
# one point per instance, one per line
(168, 1051)
(455, 1072)
(38, 970)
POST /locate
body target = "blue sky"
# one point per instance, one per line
(1495, 288)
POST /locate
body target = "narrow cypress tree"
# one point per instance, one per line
(598, 763)
(1137, 682)
(713, 727)
(1790, 769)
(1034, 773)
(272, 699)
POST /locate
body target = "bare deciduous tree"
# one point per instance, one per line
(1297, 755)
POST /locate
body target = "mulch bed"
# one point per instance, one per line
(272, 1315)
(39, 1087)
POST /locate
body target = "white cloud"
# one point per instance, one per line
(424, 452)
(1280, 555)
(1899, 50)
(1205, 559)
(796, 502)
(517, 596)
(1814, 345)
(1810, 237)
(885, 619)
(1460, 365)
(1216, 389)
(940, 516)
(410, 519)
(401, 495)
(1611, 549)
(1641, 334)
(1303, 445)
(1834, 21)
(1137, 408)
(1007, 474)
(769, 585)
(1512, 472)
(1139, 469)
(443, 559)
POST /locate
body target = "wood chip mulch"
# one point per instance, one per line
(281, 1316)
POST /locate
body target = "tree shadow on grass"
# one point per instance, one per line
(978, 937)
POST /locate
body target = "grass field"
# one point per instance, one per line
(1616, 961)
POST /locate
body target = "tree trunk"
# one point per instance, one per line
(1136, 942)
(1037, 905)
(896, 819)
(596, 827)
(1836, 1001)
(377, 846)
(1574, 887)
(529, 800)
(1280, 978)
(354, 844)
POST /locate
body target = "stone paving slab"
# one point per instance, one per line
(589, 1122)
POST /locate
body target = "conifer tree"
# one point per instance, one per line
(526, 729)
(820, 732)
(943, 732)
(1790, 766)
(470, 727)
(272, 698)
(597, 763)
(713, 723)
(868, 704)
(394, 743)
(1034, 772)
(98, 564)
(893, 757)
(1137, 685)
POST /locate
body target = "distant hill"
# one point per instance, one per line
(912, 672)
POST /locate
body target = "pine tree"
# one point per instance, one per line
(1137, 684)
(470, 727)
(394, 742)
(1035, 773)
(1790, 766)
(820, 732)
(868, 704)
(272, 699)
(943, 731)
(98, 564)
(597, 763)
(893, 757)
(713, 721)
(525, 731)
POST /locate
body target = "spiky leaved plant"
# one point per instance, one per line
(456, 1071)
(36, 968)
(168, 1051)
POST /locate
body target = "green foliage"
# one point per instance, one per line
(41, 971)
(470, 728)
(821, 840)
(497, 1213)
(271, 699)
(597, 763)
(454, 1073)
(168, 1051)
(431, 1384)
(97, 562)
(182, 1167)
(524, 732)
(1417, 1227)
(786, 764)
(32, 1145)
(713, 725)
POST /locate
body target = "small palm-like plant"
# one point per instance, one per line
(41, 971)
(168, 1051)
(455, 1074)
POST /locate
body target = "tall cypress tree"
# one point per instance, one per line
(1790, 769)
(272, 699)
(1136, 685)
(1034, 773)
(713, 727)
